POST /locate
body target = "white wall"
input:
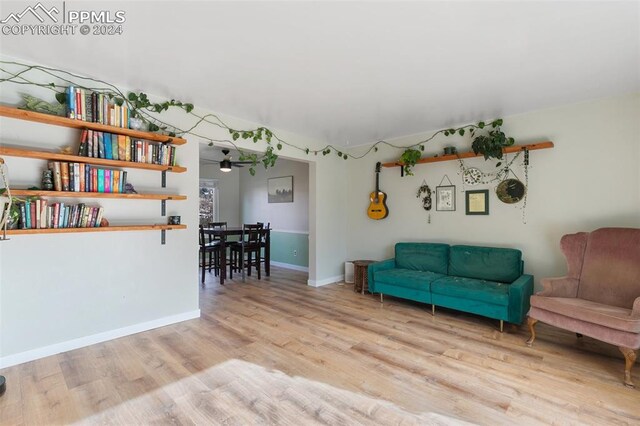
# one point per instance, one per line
(589, 180)
(228, 192)
(55, 289)
(58, 288)
(282, 216)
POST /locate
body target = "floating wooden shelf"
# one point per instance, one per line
(46, 155)
(471, 154)
(72, 194)
(156, 227)
(38, 117)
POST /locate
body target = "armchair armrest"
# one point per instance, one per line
(635, 311)
(520, 292)
(377, 267)
(559, 287)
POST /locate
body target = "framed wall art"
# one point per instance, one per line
(446, 198)
(477, 202)
(280, 189)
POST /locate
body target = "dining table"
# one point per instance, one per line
(222, 235)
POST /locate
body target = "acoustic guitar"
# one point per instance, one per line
(378, 200)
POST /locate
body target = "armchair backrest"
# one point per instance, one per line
(610, 272)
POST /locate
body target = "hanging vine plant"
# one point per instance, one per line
(489, 145)
(142, 107)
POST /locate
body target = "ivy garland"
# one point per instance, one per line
(142, 107)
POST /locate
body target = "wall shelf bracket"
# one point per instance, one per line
(163, 207)
(163, 237)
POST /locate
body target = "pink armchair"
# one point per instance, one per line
(600, 296)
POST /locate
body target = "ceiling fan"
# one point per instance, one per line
(226, 163)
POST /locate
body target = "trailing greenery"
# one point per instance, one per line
(148, 111)
(409, 158)
(489, 145)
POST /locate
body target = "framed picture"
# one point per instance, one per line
(280, 190)
(477, 201)
(446, 198)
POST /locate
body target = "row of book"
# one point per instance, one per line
(79, 177)
(98, 144)
(40, 214)
(91, 106)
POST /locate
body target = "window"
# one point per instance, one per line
(209, 209)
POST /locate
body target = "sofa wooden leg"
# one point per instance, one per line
(630, 359)
(433, 309)
(531, 322)
(501, 326)
(381, 298)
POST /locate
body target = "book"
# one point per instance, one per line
(64, 173)
(127, 142)
(108, 153)
(94, 179)
(88, 102)
(107, 180)
(78, 104)
(96, 147)
(123, 181)
(23, 216)
(99, 216)
(43, 213)
(114, 147)
(100, 180)
(100, 144)
(71, 102)
(116, 180)
(121, 148)
(56, 213)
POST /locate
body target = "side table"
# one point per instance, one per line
(360, 272)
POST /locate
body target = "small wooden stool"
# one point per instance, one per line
(360, 275)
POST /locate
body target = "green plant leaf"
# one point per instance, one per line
(461, 132)
(61, 98)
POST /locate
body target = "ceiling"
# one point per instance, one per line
(353, 73)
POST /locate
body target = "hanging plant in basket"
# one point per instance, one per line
(491, 144)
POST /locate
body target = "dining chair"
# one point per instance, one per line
(250, 244)
(263, 242)
(206, 248)
(215, 241)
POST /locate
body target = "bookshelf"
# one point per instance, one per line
(56, 120)
(471, 154)
(115, 228)
(41, 154)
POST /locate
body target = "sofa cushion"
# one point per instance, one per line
(417, 280)
(589, 311)
(472, 289)
(423, 257)
(485, 263)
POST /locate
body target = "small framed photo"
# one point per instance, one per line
(446, 198)
(477, 202)
(280, 190)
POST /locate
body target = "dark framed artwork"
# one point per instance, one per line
(446, 198)
(477, 202)
(280, 190)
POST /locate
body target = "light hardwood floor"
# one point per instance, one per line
(278, 351)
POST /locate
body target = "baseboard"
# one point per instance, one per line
(326, 281)
(290, 266)
(81, 342)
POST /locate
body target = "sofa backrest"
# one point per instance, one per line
(432, 257)
(486, 263)
(611, 267)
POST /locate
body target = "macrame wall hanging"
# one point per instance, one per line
(5, 200)
(424, 192)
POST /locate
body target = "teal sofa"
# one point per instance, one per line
(486, 281)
